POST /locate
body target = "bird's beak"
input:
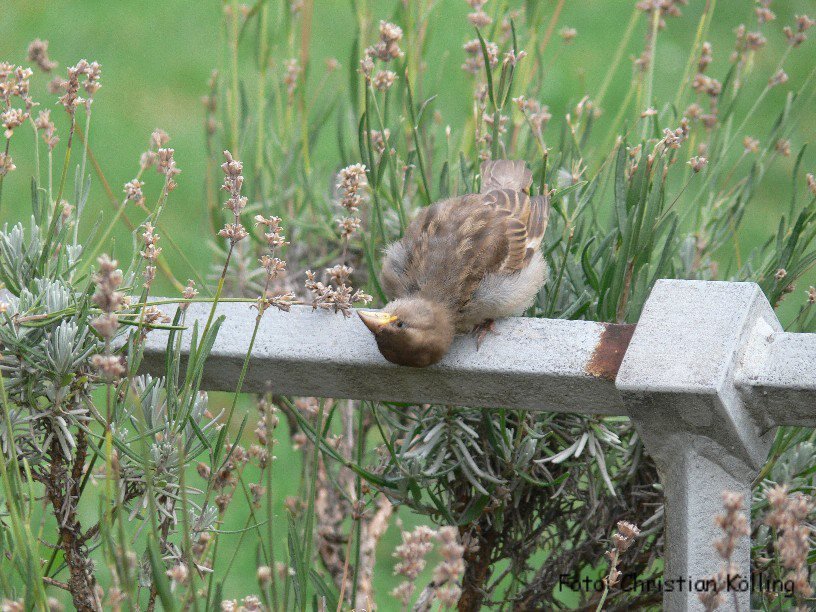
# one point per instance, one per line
(376, 321)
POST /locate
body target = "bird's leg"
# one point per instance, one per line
(482, 329)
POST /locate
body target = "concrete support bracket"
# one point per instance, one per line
(678, 380)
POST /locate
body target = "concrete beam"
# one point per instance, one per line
(778, 381)
(678, 379)
(538, 364)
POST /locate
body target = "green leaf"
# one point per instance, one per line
(488, 69)
(474, 510)
(158, 570)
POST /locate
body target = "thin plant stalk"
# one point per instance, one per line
(80, 204)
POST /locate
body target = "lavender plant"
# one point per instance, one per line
(77, 413)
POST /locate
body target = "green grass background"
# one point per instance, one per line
(157, 57)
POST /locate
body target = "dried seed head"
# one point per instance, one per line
(264, 576)
(625, 536)
(474, 63)
(673, 139)
(106, 325)
(388, 46)
(13, 118)
(667, 8)
(703, 84)
(339, 274)
(754, 41)
(780, 77)
(783, 147)
(54, 605)
(6, 164)
(38, 53)
(150, 238)
(479, 19)
(697, 163)
(348, 226)
(511, 58)
(789, 517)
(188, 294)
(415, 546)
(797, 36)
(56, 85)
(706, 57)
(750, 144)
(628, 530)
(14, 82)
(351, 180)
(379, 140)
(537, 114)
(43, 122)
(764, 14)
(178, 574)
(70, 99)
(159, 138)
(152, 316)
(339, 299)
(448, 573)
(110, 367)
(233, 183)
(234, 232)
(733, 523)
(273, 266)
(166, 165)
(272, 233)
(811, 183)
(567, 34)
(133, 191)
(92, 84)
(384, 79)
(366, 66)
(804, 23)
(107, 279)
(203, 470)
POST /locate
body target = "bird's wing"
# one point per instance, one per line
(393, 276)
(537, 223)
(505, 174)
(447, 250)
(518, 207)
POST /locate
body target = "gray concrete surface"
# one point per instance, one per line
(530, 363)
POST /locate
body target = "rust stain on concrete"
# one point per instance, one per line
(608, 355)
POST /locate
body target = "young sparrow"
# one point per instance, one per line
(462, 263)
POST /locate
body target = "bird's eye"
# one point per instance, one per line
(400, 324)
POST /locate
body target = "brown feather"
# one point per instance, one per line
(537, 223)
(461, 262)
(505, 174)
(453, 245)
(447, 250)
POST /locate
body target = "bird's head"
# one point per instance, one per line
(411, 331)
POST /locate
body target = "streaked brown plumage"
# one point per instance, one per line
(462, 263)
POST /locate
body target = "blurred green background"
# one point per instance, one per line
(157, 57)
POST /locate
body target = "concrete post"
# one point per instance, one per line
(678, 382)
